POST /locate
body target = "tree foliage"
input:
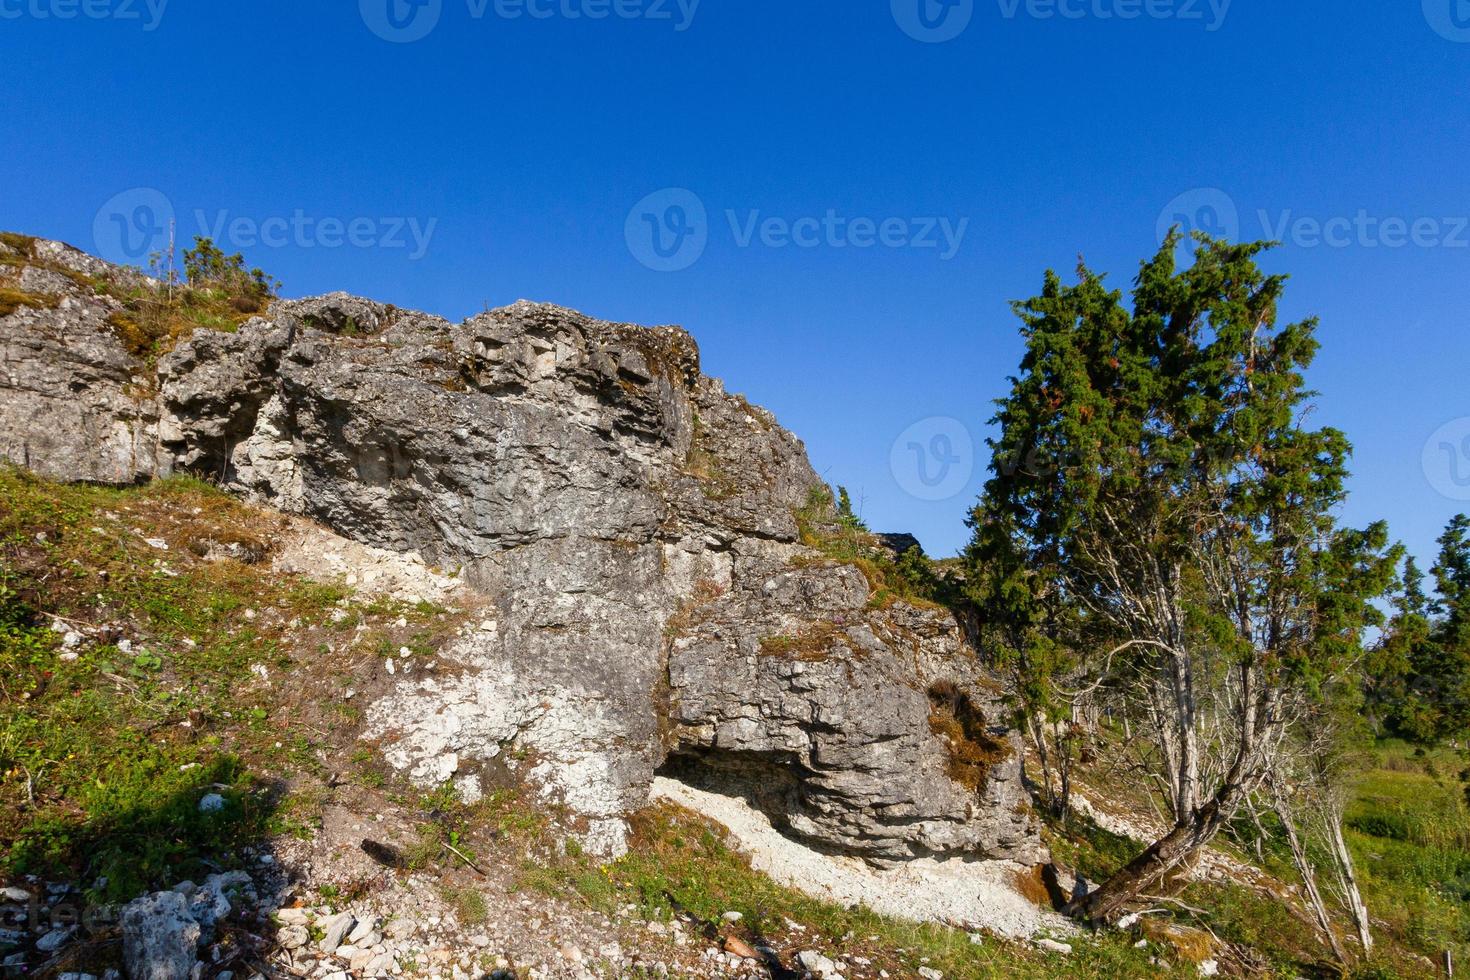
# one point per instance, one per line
(1418, 681)
(1160, 520)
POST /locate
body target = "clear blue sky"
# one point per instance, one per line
(528, 141)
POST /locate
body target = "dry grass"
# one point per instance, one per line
(13, 299)
(972, 750)
(812, 644)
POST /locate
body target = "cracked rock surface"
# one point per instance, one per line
(628, 524)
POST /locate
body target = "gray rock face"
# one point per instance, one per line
(823, 712)
(160, 937)
(73, 404)
(629, 522)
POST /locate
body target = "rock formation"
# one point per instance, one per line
(632, 527)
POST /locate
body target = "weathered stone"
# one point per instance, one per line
(632, 524)
(160, 937)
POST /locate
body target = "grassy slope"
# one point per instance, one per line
(104, 755)
(1408, 827)
(103, 758)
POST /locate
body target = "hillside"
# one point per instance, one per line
(520, 647)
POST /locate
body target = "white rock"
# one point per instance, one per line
(293, 937)
(160, 937)
(54, 940)
(1052, 946)
(929, 973)
(732, 916)
(1209, 968)
(334, 929)
(816, 963)
(361, 931)
(211, 803)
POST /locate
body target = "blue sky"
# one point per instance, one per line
(921, 172)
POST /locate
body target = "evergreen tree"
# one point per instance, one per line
(1183, 543)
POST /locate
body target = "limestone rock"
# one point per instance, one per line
(160, 937)
(629, 524)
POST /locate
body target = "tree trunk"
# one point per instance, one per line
(1347, 878)
(1309, 876)
(1105, 903)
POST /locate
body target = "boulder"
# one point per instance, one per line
(631, 527)
(160, 937)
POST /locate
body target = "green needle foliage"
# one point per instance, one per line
(1161, 521)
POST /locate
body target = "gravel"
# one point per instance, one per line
(968, 894)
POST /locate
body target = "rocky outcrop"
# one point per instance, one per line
(630, 526)
(73, 404)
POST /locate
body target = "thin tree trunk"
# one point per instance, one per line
(1308, 874)
(1190, 834)
(1347, 878)
(1063, 803)
(1037, 729)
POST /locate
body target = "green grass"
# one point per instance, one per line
(680, 863)
(911, 578)
(105, 754)
(1409, 830)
